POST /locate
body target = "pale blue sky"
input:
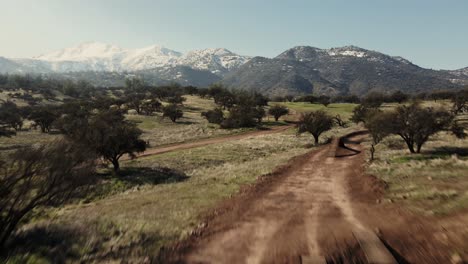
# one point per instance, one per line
(433, 34)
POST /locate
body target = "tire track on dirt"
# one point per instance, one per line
(291, 220)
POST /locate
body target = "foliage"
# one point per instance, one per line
(277, 111)
(377, 124)
(108, 134)
(460, 102)
(315, 123)
(398, 96)
(215, 116)
(44, 117)
(415, 124)
(10, 116)
(361, 112)
(173, 112)
(373, 100)
(324, 100)
(148, 107)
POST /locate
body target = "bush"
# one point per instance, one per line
(215, 116)
(277, 111)
(173, 112)
(241, 116)
(315, 123)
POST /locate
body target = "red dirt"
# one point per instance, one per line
(310, 208)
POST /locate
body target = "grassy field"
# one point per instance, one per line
(158, 200)
(433, 182)
(156, 130)
(344, 110)
(192, 126)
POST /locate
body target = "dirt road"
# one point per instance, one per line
(209, 141)
(293, 218)
(312, 208)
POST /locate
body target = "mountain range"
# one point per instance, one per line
(299, 70)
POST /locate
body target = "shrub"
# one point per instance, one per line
(215, 116)
(277, 111)
(315, 123)
(173, 112)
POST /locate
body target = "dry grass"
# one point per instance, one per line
(433, 182)
(137, 222)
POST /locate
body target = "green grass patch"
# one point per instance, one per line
(345, 110)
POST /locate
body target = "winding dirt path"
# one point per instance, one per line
(208, 141)
(294, 219)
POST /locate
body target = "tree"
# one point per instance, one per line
(324, 100)
(260, 99)
(10, 115)
(110, 136)
(398, 96)
(278, 111)
(259, 113)
(135, 101)
(289, 98)
(225, 99)
(361, 112)
(244, 115)
(134, 85)
(460, 102)
(34, 177)
(173, 112)
(150, 106)
(373, 100)
(378, 126)
(415, 124)
(44, 117)
(315, 123)
(215, 116)
(176, 99)
(339, 121)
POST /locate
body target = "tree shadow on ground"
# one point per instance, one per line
(448, 150)
(145, 175)
(55, 243)
(110, 183)
(51, 242)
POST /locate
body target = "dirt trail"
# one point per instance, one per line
(208, 141)
(308, 209)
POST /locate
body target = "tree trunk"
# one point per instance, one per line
(115, 163)
(276, 118)
(316, 139)
(372, 151)
(410, 146)
(418, 148)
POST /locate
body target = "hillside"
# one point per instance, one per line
(347, 70)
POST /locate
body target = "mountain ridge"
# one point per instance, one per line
(298, 70)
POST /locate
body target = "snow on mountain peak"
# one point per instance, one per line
(97, 56)
(348, 51)
(82, 52)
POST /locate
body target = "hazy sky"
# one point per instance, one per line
(432, 34)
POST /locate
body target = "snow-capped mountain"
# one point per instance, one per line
(95, 56)
(218, 61)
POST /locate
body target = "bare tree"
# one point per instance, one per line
(32, 178)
